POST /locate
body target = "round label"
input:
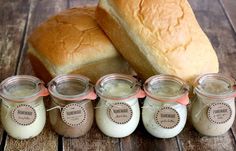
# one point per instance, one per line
(120, 112)
(24, 114)
(73, 114)
(167, 117)
(219, 113)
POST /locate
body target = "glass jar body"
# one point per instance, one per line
(149, 116)
(61, 126)
(17, 130)
(202, 120)
(107, 118)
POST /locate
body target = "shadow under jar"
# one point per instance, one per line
(71, 113)
(164, 112)
(117, 112)
(213, 109)
(23, 112)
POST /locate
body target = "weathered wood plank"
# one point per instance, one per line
(47, 140)
(229, 7)
(141, 140)
(13, 15)
(77, 3)
(94, 139)
(213, 21)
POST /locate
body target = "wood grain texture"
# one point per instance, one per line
(230, 9)
(213, 21)
(13, 15)
(78, 3)
(47, 140)
(141, 140)
(94, 140)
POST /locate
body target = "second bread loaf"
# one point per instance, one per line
(158, 36)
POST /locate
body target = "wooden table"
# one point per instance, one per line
(19, 17)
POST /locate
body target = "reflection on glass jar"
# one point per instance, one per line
(71, 113)
(213, 110)
(117, 112)
(164, 112)
(23, 112)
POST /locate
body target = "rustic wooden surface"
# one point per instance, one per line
(230, 6)
(19, 17)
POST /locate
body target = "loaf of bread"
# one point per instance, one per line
(158, 36)
(72, 42)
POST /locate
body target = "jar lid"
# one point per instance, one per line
(71, 88)
(215, 85)
(118, 87)
(167, 88)
(22, 88)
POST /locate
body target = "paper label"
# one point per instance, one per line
(24, 114)
(73, 114)
(120, 112)
(219, 113)
(167, 117)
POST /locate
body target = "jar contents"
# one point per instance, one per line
(23, 112)
(117, 112)
(71, 113)
(213, 110)
(164, 111)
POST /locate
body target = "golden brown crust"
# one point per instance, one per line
(137, 60)
(166, 32)
(73, 34)
(71, 41)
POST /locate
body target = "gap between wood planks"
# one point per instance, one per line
(16, 70)
(230, 12)
(22, 44)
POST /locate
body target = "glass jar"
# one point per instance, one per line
(164, 112)
(23, 112)
(71, 113)
(117, 112)
(213, 109)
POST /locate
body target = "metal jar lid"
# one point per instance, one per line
(215, 85)
(167, 88)
(22, 88)
(71, 88)
(128, 87)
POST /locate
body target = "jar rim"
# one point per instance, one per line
(134, 83)
(182, 97)
(199, 82)
(37, 84)
(84, 82)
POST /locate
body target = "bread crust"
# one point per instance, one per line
(166, 33)
(70, 41)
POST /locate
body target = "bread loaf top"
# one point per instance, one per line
(167, 33)
(71, 39)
